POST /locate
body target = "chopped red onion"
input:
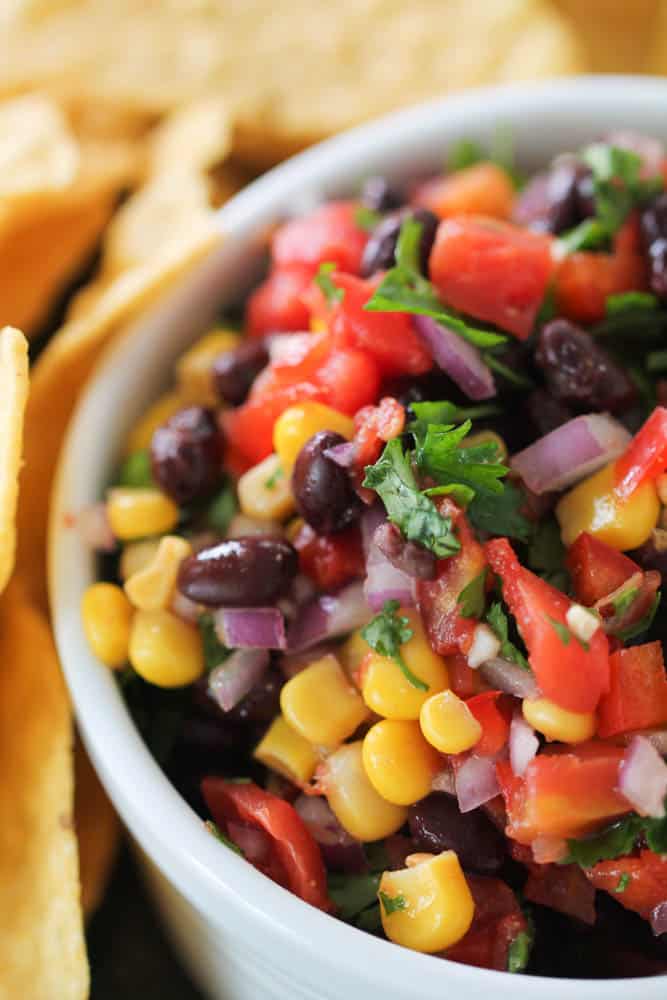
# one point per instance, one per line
(327, 617)
(571, 452)
(231, 681)
(255, 843)
(386, 583)
(659, 918)
(93, 526)
(343, 454)
(651, 151)
(549, 850)
(532, 204)
(184, 608)
(314, 810)
(250, 628)
(524, 744)
(510, 678)
(457, 358)
(643, 778)
(658, 739)
(642, 588)
(370, 520)
(409, 557)
(444, 782)
(475, 782)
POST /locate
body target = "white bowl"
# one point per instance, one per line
(242, 936)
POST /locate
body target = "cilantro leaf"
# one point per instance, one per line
(352, 893)
(546, 553)
(365, 218)
(393, 480)
(222, 509)
(512, 376)
(622, 883)
(405, 289)
(655, 831)
(501, 514)
(214, 651)
(136, 469)
(465, 153)
(612, 842)
(460, 494)
(332, 293)
(472, 598)
(656, 361)
(518, 955)
(386, 633)
(624, 302)
(498, 621)
(562, 631)
(223, 838)
(275, 477)
(632, 631)
(392, 904)
(444, 412)
(440, 455)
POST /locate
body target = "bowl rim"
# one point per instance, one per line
(167, 828)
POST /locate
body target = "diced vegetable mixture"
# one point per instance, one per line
(382, 572)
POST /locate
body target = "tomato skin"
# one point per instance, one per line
(350, 379)
(463, 680)
(564, 794)
(646, 455)
(492, 270)
(249, 428)
(277, 303)
(494, 719)
(294, 845)
(566, 672)
(329, 233)
(596, 568)
(374, 426)
(646, 883)
(330, 560)
(438, 600)
(497, 922)
(637, 697)
(482, 189)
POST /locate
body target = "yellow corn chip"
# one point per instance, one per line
(13, 394)
(616, 35)
(195, 138)
(97, 831)
(37, 152)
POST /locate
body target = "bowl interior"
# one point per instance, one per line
(544, 119)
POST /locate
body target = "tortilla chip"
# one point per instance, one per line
(42, 952)
(59, 376)
(13, 395)
(37, 152)
(97, 831)
(195, 138)
(616, 34)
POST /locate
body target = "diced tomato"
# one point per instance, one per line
(564, 888)
(493, 715)
(294, 845)
(330, 233)
(646, 455)
(374, 426)
(492, 270)
(483, 189)
(463, 680)
(584, 279)
(567, 672)
(330, 560)
(438, 600)
(645, 885)
(298, 360)
(597, 569)
(277, 303)
(637, 697)
(350, 379)
(249, 428)
(564, 794)
(498, 921)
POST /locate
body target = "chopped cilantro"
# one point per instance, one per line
(655, 831)
(352, 893)
(214, 652)
(546, 553)
(222, 509)
(365, 218)
(622, 883)
(465, 153)
(612, 842)
(405, 289)
(136, 470)
(444, 412)
(370, 920)
(274, 478)
(629, 301)
(622, 602)
(562, 631)
(472, 598)
(441, 454)
(332, 293)
(386, 633)
(643, 625)
(656, 361)
(498, 621)
(392, 904)
(415, 514)
(512, 376)
(460, 494)
(223, 838)
(501, 514)
(518, 955)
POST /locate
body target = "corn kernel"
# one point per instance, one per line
(558, 723)
(353, 800)
(152, 587)
(137, 556)
(293, 527)
(593, 506)
(106, 614)
(285, 751)
(265, 491)
(321, 704)
(165, 650)
(400, 764)
(386, 689)
(194, 369)
(298, 423)
(352, 652)
(489, 437)
(448, 724)
(136, 513)
(141, 435)
(428, 907)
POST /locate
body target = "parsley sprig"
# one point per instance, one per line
(386, 633)
(332, 293)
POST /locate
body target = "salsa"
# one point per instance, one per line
(381, 574)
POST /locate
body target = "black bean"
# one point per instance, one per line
(545, 412)
(580, 372)
(653, 553)
(323, 491)
(262, 703)
(379, 254)
(235, 371)
(186, 454)
(239, 572)
(380, 196)
(436, 824)
(559, 200)
(653, 225)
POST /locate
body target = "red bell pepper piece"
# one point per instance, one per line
(374, 426)
(498, 921)
(637, 696)
(277, 303)
(494, 716)
(295, 848)
(646, 455)
(645, 885)
(328, 234)
(596, 569)
(568, 672)
(330, 560)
